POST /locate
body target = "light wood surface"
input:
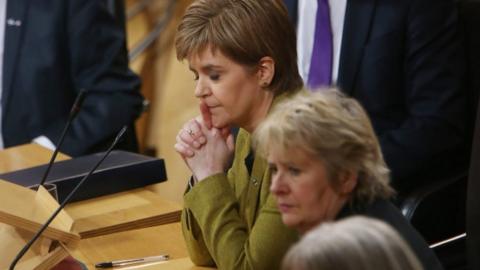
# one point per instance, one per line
(25, 156)
(111, 210)
(178, 264)
(163, 239)
(127, 210)
(28, 210)
(172, 100)
(12, 240)
(22, 213)
(138, 28)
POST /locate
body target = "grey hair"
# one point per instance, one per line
(355, 243)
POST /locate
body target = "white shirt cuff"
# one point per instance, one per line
(45, 142)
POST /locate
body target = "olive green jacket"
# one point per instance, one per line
(231, 220)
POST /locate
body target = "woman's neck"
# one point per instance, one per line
(259, 112)
(331, 215)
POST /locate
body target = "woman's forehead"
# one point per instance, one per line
(203, 51)
(288, 153)
(208, 57)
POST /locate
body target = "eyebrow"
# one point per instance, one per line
(206, 67)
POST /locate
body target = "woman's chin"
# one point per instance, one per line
(290, 222)
(219, 123)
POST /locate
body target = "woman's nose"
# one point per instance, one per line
(277, 186)
(201, 89)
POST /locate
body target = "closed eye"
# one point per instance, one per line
(294, 171)
(273, 168)
(214, 77)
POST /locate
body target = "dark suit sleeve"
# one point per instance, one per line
(292, 8)
(435, 101)
(98, 63)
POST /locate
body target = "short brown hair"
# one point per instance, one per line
(245, 31)
(337, 130)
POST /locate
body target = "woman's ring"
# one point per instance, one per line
(189, 131)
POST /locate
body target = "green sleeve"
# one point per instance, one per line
(214, 229)
(194, 240)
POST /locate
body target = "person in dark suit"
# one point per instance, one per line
(53, 49)
(326, 164)
(402, 60)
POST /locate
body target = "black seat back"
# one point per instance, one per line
(470, 15)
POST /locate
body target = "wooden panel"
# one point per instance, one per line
(175, 104)
(12, 241)
(23, 208)
(138, 27)
(123, 211)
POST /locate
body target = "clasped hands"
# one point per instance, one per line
(207, 150)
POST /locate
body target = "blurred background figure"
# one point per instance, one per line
(326, 164)
(49, 55)
(354, 243)
(403, 61)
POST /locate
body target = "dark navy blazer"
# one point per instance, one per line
(54, 48)
(403, 61)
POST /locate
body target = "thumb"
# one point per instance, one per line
(206, 115)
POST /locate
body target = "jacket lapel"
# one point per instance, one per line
(14, 28)
(356, 29)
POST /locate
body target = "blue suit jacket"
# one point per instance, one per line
(403, 61)
(54, 48)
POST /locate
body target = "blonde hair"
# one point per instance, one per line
(245, 31)
(355, 243)
(335, 129)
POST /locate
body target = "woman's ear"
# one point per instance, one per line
(266, 71)
(348, 182)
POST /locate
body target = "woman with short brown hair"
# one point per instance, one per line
(243, 56)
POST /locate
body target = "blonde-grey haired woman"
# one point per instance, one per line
(326, 164)
(354, 243)
(242, 54)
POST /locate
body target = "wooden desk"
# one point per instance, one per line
(180, 264)
(25, 156)
(128, 210)
(163, 239)
(152, 241)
